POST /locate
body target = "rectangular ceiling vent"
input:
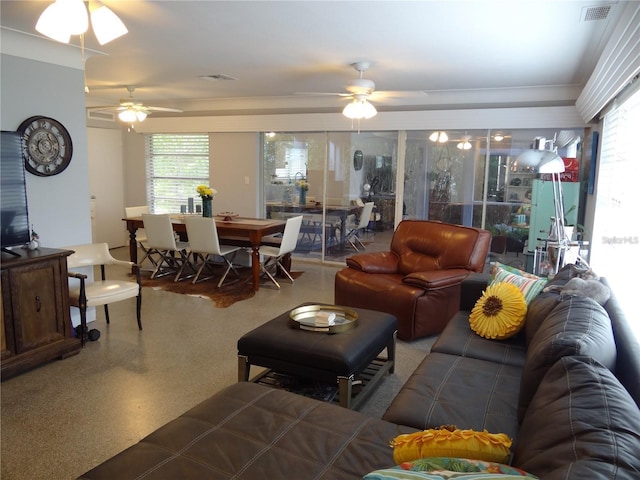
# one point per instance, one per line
(104, 116)
(596, 13)
(217, 76)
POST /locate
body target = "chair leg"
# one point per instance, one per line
(138, 309)
(83, 325)
(106, 313)
(148, 254)
(284, 270)
(185, 262)
(265, 271)
(229, 268)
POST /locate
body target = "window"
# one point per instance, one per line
(176, 165)
(616, 231)
(291, 161)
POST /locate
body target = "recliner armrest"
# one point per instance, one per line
(374, 262)
(436, 279)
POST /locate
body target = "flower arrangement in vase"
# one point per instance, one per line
(303, 187)
(206, 194)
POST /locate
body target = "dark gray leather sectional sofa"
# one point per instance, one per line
(567, 389)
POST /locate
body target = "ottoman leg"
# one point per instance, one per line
(391, 352)
(243, 368)
(345, 385)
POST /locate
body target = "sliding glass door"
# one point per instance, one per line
(466, 177)
(327, 178)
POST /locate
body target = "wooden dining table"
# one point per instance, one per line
(238, 230)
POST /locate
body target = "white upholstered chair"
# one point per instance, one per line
(101, 291)
(174, 255)
(141, 235)
(204, 243)
(354, 228)
(271, 256)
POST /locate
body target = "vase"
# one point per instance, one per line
(303, 197)
(207, 207)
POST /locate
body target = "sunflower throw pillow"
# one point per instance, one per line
(500, 312)
(449, 441)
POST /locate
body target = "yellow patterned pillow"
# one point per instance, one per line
(500, 312)
(452, 442)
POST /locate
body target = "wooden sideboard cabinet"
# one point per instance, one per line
(36, 325)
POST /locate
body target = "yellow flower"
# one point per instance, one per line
(302, 185)
(205, 191)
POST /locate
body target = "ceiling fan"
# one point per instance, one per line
(130, 110)
(361, 91)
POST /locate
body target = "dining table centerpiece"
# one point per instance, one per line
(206, 194)
(303, 187)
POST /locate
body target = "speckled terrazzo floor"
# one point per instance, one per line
(65, 417)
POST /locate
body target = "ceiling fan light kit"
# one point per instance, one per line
(359, 108)
(440, 137)
(64, 18)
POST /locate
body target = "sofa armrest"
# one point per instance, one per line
(436, 279)
(472, 288)
(374, 262)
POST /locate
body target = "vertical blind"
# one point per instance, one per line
(616, 231)
(176, 165)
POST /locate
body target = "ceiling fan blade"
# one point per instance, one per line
(382, 94)
(323, 94)
(162, 109)
(111, 108)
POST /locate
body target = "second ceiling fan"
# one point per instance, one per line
(131, 110)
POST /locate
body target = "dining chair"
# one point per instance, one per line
(271, 256)
(85, 293)
(205, 243)
(174, 255)
(353, 227)
(141, 235)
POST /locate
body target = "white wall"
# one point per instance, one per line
(58, 205)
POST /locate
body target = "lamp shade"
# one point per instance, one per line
(542, 161)
(128, 115)
(64, 18)
(359, 108)
(550, 163)
(106, 24)
(49, 24)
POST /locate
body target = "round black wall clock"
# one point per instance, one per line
(46, 146)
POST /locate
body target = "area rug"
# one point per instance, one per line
(233, 290)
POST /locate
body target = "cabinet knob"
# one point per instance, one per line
(38, 303)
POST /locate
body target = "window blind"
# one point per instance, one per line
(176, 164)
(616, 231)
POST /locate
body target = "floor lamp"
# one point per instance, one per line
(541, 160)
(553, 164)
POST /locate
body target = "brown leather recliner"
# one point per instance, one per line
(419, 279)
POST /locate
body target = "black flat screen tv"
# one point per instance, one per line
(14, 218)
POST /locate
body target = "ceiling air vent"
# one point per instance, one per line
(217, 76)
(596, 13)
(104, 116)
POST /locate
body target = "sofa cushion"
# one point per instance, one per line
(577, 326)
(539, 308)
(581, 424)
(500, 312)
(457, 338)
(434, 393)
(252, 432)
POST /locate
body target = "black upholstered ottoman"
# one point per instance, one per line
(328, 358)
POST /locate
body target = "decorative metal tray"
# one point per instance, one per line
(313, 318)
